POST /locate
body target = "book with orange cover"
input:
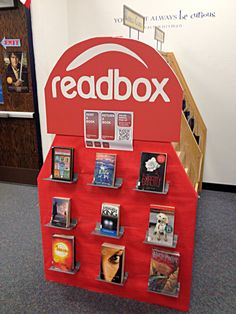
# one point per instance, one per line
(63, 252)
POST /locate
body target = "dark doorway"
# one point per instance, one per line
(20, 139)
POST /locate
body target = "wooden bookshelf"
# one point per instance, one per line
(191, 152)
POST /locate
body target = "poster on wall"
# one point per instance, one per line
(1, 92)
(108, 129)
(16, 71)
(8, 4)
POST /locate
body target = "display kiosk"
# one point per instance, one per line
(117, 75)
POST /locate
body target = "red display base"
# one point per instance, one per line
(86, 204)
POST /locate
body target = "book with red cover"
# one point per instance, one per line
(63, 252)
(164, 272)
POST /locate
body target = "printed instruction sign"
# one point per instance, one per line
(108, 129)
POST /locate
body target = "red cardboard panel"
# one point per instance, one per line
(114, 74)
(86, 207)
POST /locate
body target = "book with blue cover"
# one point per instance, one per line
(110, 219)
(105, 168)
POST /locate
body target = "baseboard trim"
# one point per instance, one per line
(19, 175)
(219, 187)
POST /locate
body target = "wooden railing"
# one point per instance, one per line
(192, 145)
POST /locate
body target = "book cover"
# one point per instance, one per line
(1, 92)
(112, 263)
(110, 219)
(164, 271)
(161, 225)
(63, 252)
(62, 163)
(105, 168)
(60, 212)
(152, 172)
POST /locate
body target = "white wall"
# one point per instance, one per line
(50, 40)
(203, 46)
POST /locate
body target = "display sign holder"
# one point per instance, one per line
(115, 283)
(146, 241)
(75, 178)
(168, 294)
(159, 36)
(97, 232)
(133, 20)
(117, 185)
(73, 224)
(72, 272)
(166, 189)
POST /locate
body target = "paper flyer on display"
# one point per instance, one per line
(108, 129)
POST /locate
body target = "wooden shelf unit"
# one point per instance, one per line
(192, 153)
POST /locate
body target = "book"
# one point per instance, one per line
(161, 225)
(105, 168)
(197, 138)
(112, 263)
(191, 123)
(63, 252)
(110, 219)
(60, 212)
(1, 92)
(62, 163)
(187, 114)
(164, 272)
(152, 172)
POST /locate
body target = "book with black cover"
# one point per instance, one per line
(60, 212)
(110, 219)
(105, 168)
(112, 263)
(63, 252)
(152, 172)
(164, 272)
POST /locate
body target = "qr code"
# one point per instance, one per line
(124, 134)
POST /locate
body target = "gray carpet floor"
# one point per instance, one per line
(24, 290)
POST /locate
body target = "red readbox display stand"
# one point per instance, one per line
(116, 74)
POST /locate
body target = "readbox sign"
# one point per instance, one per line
(114, 74)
